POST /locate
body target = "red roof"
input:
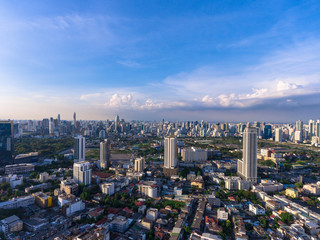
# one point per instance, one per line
(126, 209)
(139, 203)
(113, 210)
(102, 221)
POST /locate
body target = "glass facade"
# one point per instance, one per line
(6, 142)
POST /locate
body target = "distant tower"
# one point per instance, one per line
(247, 167)
(278, 135)
(59, 118)
(299, 126)
(79, 149)
(6, 143)
(170, 156)
(74, 118)
(51, 126)
(116, 123)
(105, 154)
(139, 165)
(311, 128)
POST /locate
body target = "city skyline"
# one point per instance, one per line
(154, 60)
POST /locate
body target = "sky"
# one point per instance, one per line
(152, 60)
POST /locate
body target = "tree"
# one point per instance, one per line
(286, 217)
(298, 184)
(33, 175)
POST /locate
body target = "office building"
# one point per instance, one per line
(139, 165)
(247, 167)
(82, 172)
(170, 156)
(6, 143)
(79, 149)
(267, 132)
(278, 135)
(222, 214)
(105, 154)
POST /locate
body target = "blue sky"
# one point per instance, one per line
(148, 60)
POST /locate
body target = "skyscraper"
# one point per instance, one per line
(311, 128)
(317, 128)
(267, 132)
(170, 156)
(139, 165)
(247, 167)
(79, 149)
(6, 142)
(105, 154)
(74, 119)
(299, 125)
(278, 135)
(116, 123)
(82, 172)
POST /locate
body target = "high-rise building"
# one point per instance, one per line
(105, 154)
(79, 149)
(116, 123)
(51, 126)
(299, 126)
(278, 135)
(311, 128)
(317, 128)
(6, 143)
(82, 172)
(139, 165)
(74, 119)
(170, 156)
(267, 132)
(247, 167)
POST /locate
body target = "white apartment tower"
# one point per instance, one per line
(82, 172)
(105, 154)
(247, 167)
(170, 156)
(278, 135)
(79, 149)
(139, 165)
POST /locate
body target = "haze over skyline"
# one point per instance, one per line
(149, 60)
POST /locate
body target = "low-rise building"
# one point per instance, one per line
(222, 214)
(256, 209)
(148, 188)
(290, 192)
(69, 186)
(11, 224)
(107, 188)
(42, 200)
(152, 214)
(120, 224)
(19, 168)
(17, 202)
(313, 189)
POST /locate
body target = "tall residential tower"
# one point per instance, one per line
(79, 149)
(170, 156)
(247, 167)
(105, 154)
